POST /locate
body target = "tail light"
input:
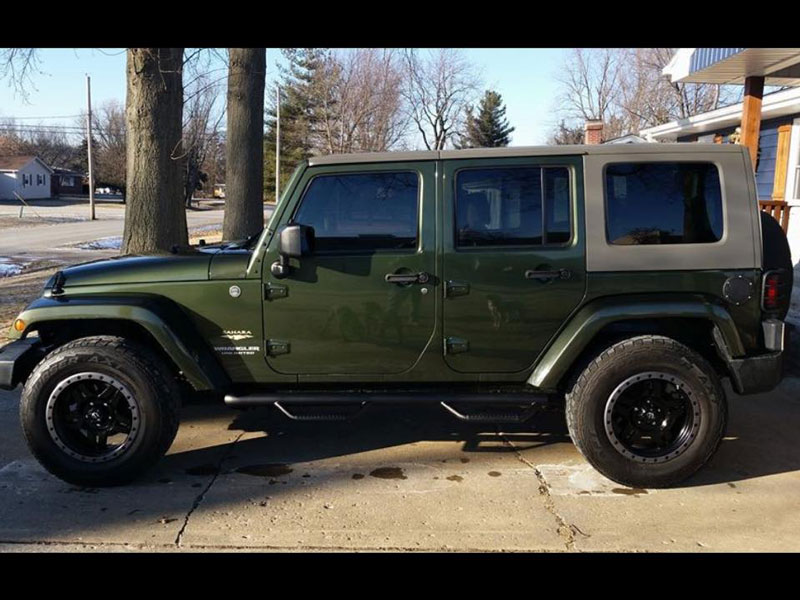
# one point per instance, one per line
(775, 291)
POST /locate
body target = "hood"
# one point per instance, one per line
(137, 269)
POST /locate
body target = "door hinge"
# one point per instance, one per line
(276, 347)
(454, 345)
(456, 288)
(273, 291)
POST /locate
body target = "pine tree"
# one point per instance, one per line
(299, 107)
(489, 129)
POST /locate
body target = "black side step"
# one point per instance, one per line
(499, 413)
(491, 407)
(401, 397)
(329, 412)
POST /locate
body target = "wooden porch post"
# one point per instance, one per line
(751, 115)
(781, 163)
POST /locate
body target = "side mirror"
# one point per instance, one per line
(294, 241)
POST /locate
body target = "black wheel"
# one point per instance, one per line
(99, 411)
(647, 412)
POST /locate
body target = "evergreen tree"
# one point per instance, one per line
(489, 129)
(300, 102)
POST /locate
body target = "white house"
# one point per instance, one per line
(28, 176)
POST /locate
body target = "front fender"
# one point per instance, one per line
(161, 318)
(596, 315)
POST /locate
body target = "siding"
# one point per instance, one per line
(767, 151)
(705, 57)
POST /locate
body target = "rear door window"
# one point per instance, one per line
(512, 206)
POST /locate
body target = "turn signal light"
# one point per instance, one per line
(19, 325)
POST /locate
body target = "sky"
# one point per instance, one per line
(524, 77)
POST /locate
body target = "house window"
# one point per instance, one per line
(663, 203)
(797, 183)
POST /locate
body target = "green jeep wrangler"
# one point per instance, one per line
(625, 280)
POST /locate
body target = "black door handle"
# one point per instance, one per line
(406, 278)
(563, 274)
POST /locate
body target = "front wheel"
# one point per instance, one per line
(647, 412)
(99, 411)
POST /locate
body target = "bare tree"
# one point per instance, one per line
(155, 219)
(439, 88)
(626, 89)
(361, 108)
(109, 144)
(649, 98)
(590, 83)
(244, 201)
(18, 65)
(564, 134)
(200, 134)
(50, 143)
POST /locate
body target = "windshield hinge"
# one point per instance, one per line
(273, 291)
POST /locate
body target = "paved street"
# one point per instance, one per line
(408, 478)
(34, 239)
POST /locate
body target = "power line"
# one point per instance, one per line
(53, 117)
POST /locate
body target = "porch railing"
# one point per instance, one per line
(777, 209)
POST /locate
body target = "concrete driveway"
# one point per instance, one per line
(408, 479)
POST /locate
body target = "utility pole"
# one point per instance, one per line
(89, 144)
(277, 143)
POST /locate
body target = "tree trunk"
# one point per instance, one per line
(155, 219)
(244, 176)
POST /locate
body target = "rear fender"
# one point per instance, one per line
(592, 318)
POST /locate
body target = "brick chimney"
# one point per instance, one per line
(593, 132)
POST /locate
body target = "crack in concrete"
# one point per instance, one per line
(564, 529)
(201, 496)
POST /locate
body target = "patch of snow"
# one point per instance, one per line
(8, 268)
(107, 243)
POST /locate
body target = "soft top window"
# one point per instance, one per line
(663, 203)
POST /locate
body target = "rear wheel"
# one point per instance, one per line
(99, 411)
(647, 412)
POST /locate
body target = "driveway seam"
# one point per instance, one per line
(565, 530)
(201, 496)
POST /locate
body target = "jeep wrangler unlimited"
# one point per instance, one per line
(627, 281)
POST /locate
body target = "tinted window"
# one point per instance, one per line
(663, 203)
(362, 212)
(512, 206)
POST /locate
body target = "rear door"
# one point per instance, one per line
(513, 254)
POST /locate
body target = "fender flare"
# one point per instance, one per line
(162, 318)
(591, 318)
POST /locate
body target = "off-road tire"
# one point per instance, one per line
(590, 390)
(153, 388)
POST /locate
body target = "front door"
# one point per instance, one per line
(336, 313)
(514, 266)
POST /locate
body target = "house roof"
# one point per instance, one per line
(630, 138)
(15, 163)
(778, 66)
(518, 151)
(778, 104)
(65, 171)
